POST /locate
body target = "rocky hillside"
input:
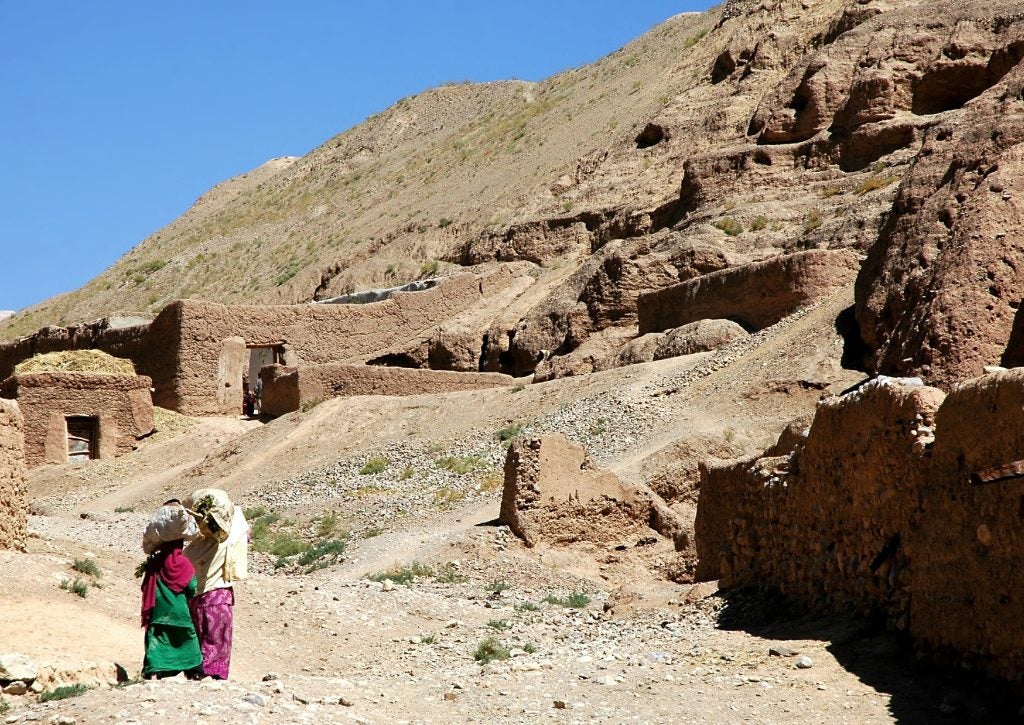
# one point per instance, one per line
(717, 139)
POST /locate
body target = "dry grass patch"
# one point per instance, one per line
(76, 361)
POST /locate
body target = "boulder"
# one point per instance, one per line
(15, 666)
(699, 336)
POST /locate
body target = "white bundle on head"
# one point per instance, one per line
(169, 523)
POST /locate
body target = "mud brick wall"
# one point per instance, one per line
(309, 334)
(967, 553)
(755, 295)
(13, 491)
(286, 388)
(902, 501)
(121, 403)
(828, 523)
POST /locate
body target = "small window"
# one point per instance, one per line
(82, 439)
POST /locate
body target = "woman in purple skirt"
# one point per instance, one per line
(220, 558)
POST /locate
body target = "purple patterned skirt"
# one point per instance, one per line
(212, 615)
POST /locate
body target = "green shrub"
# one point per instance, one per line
(63, 692)
(576, 600)
(497, 586)
(444, 222)
(759, 223)
(813, 221)
(694, 39)
(322, 554)
(729, 225)
(429, 269)
(490, 649)
(285, 546)
(372, 532)
(87, 566)
(526, 607)
(402, 574)
(429, 639)
(499, 624)
(75, 586)
(124, 509)
(375, 465)
(530, 648)
(509, 432)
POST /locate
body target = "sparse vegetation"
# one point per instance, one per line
(598, 427)
(518, 388)
(327, 525)
(285, 545)
(499, 624)
(444, 222)
(497, 586)
(372, 532)
(429, 639)
(694, 39)
(75, 586)
(830, 191)
(308, 405)
(63, 692)
(449, 574)
(489, 650)
(759, 223)
(322, 555)
(377, 464)
(509, 432)
(526, 607)
(461, 464)
(729, 225)
(87, 566)
(429, 269)
(813, 221)
(729, 434)
(124, 509)
(446, 496)
(873, 184)
(530, 648)
(576, 600)
(491, 481)
(406, 473)
(402, 574)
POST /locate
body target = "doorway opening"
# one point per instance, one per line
(83, 438)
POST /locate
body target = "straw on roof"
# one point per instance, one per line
(76, 361)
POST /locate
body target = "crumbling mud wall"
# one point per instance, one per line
(554, 494)
(121, 405)
(967, 550)
(13, 491)
(901, 501)
(288, 388)
(755, 295)
(306, 334)
(825, 522)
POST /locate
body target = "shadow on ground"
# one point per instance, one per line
(919, 692)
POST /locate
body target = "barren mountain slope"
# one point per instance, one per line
(456, 171)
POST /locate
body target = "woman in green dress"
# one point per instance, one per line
(168, 583)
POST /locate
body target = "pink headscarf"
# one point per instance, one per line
(172, 568)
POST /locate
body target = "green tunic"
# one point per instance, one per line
(171, 642)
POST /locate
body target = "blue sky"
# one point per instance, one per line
(119, 114)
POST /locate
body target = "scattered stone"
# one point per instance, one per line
(782, 651)
(450, 696)
(15, 666)
(804, 663)
(16, 688)
(255, 698)
(271, 676)
(387, 585)
(559, 704)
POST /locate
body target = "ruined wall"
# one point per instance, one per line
(121, 403)
(900, 501)
(826, 522)
(967, 551)
(287, 388)
(13, 492)
(309, 334)
(755, 295)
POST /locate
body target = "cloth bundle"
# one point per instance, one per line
(223, 548)
(169, 523)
